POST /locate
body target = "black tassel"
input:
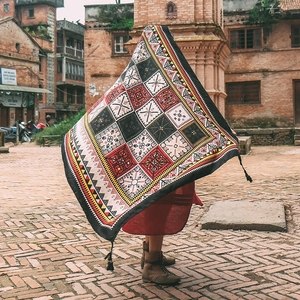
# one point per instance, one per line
(110, 264)
(248, 177)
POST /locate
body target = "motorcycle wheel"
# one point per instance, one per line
(25, 138)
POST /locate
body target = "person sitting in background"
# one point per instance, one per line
(48, 118)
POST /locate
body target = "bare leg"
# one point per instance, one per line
(155, 242)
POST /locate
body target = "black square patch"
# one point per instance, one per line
(146, 68)
(193, 133)
(161, 128)
(102, 121)
(130, 126)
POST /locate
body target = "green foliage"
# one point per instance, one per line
(39, 31)
(60, 129)
(119, 17)
(264, 12)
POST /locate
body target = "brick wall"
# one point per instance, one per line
(188, 12)
(25, 60)
(275, 67)
(203, 45)
(102, 69)
(40, 14)
(11, 9)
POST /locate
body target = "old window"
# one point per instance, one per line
(59, 66)
(80, 96)
(40, 94)
(30, 12)
(60, 39)
(70, 42)
(18, 47)
(60, 95)
(6, 8)
(245, 38)
(79, 44)
(246, 92)
(71, 95)
(119, 43)
(295, 36)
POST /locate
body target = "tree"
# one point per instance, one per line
(119, 17)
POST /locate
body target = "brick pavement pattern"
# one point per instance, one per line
(49, 251)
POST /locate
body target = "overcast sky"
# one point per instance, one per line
(74, 9)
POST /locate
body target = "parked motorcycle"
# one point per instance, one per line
(33, 129)
(10, 133)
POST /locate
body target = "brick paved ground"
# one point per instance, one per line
(49, 251)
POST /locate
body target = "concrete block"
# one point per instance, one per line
(4, 149)
(245, 215)
(245, 144)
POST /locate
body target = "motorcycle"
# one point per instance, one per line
(33, 129)
(10, 133)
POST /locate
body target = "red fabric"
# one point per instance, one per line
(167, 215)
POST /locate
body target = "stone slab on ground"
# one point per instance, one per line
(245, 215)
(4, 149)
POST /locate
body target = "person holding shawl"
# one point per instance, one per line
(133, 158)
(166, 216)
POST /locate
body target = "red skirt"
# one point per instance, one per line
(168, 215)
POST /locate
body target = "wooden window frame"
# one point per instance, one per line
(295, 37)
(121, 44)
(246, 38)
(31, 12)
(244, 92)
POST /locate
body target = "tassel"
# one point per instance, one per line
(248, 177)
(110, 264)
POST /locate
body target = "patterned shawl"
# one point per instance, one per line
(153, 131)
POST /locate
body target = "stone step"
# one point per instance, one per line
(296, 137)
(297, 142)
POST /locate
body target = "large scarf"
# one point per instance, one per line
(155, 130)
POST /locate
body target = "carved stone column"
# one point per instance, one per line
(197, 29)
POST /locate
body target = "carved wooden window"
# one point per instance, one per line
(171, 10)
(243, 92)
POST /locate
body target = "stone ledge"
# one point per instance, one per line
(4, 149)
(245, 215)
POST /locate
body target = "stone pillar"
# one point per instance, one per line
(198, 30)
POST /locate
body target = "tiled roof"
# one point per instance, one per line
(290, 4)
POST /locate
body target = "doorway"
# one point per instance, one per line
(297, 101)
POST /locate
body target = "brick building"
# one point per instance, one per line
(249, 70)
(20, 79)
(105, 54)
(50, 51)
(70, 90)
(197, 29)
(263, 71)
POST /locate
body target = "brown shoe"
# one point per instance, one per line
(155, 271)
(167, 261)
